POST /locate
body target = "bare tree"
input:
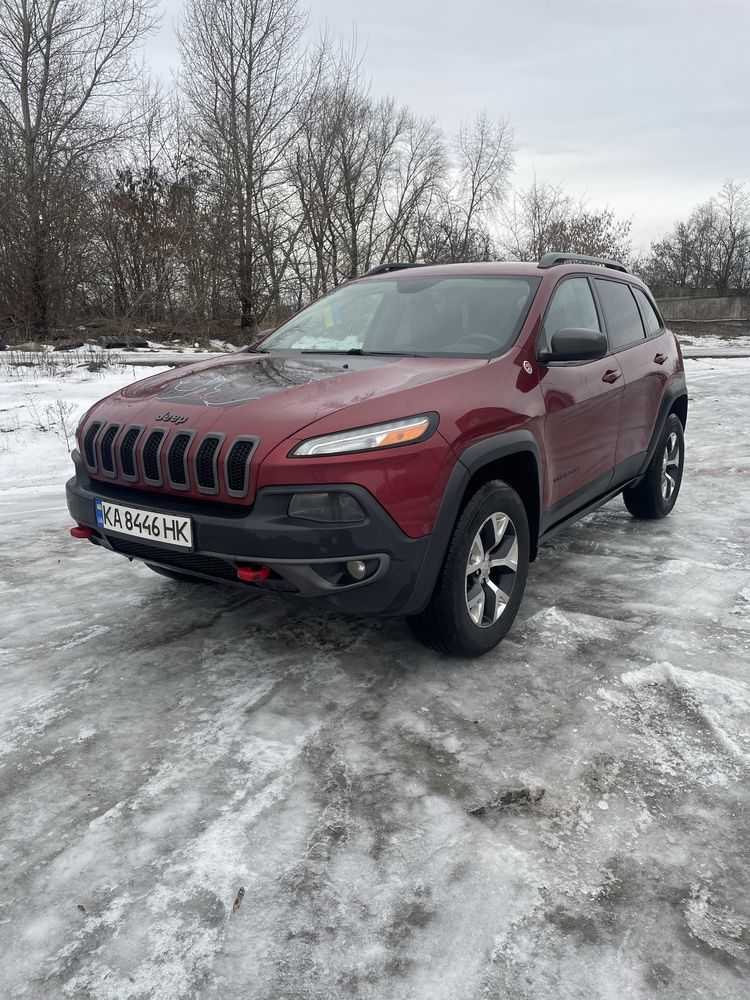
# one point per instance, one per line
(709, 250)
(731, 238)
(484, 163)
(461, 218)
(543, 218)
(362, 171)
(244, 72)
(65, 70)
(534, 219)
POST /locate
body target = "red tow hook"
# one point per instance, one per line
(253, 574)
(81, 531)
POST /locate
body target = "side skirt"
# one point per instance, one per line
(583, 511)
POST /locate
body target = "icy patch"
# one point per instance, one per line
(715, 925)
(741, 611)
(569, 626)
(78, 638)
(723, 704)
(693, 724)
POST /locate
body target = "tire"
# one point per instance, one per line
(656, 494)
(173, 574)
(460, 620)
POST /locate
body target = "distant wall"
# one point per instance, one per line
(687, 307)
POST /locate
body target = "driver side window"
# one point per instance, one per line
(572, 306)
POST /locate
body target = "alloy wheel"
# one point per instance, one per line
(491, 569)
(670, 466)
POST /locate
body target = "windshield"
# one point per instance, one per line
(463, 316)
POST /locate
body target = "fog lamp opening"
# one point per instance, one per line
(332, 507)
(356, 569)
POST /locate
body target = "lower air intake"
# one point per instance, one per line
(188, 561)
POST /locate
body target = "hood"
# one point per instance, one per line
(262, 399)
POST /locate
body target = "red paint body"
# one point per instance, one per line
(583, 424)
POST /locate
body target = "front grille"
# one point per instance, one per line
(88, 443)
(238, 466)
(178, 474)
(127, 452)
(107, 453)
(205, 464)
(169, 459)
(190, 561)
(151, 449)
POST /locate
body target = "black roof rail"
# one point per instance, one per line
(550, 259)
(387, 267)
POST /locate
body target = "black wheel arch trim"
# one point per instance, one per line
(469, 463)
(675, 390)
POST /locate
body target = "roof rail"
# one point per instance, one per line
(387, 267)
(550, 259)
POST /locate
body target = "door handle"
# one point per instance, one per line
(611, 375)
(660, 359)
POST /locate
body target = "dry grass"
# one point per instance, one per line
(30, 365)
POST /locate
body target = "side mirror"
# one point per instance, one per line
(575, 344)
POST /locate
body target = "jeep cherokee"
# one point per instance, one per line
(399, 447)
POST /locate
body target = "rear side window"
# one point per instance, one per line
(572, 306)
(624, 326)
(650, 319)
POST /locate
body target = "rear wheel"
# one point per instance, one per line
(483, 576)
(657, 492)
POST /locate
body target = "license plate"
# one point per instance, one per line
(163, 529)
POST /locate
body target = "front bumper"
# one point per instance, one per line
(304, 556)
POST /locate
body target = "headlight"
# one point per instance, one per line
(388, 435)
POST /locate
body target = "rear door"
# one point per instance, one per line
(582, 402)
(634, 331)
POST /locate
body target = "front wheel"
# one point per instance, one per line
(656, 494)
(483, 576)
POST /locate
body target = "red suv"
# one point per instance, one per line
(399, 447)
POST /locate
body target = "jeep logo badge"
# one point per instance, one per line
(171, 417)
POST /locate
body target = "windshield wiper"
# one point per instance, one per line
(330, 350)
(360, 352)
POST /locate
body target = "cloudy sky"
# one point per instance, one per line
(643, 105)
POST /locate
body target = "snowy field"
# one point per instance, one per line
(568, 817)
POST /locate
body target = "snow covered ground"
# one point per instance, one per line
(568, 817)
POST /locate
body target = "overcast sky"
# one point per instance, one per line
(643, 105)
